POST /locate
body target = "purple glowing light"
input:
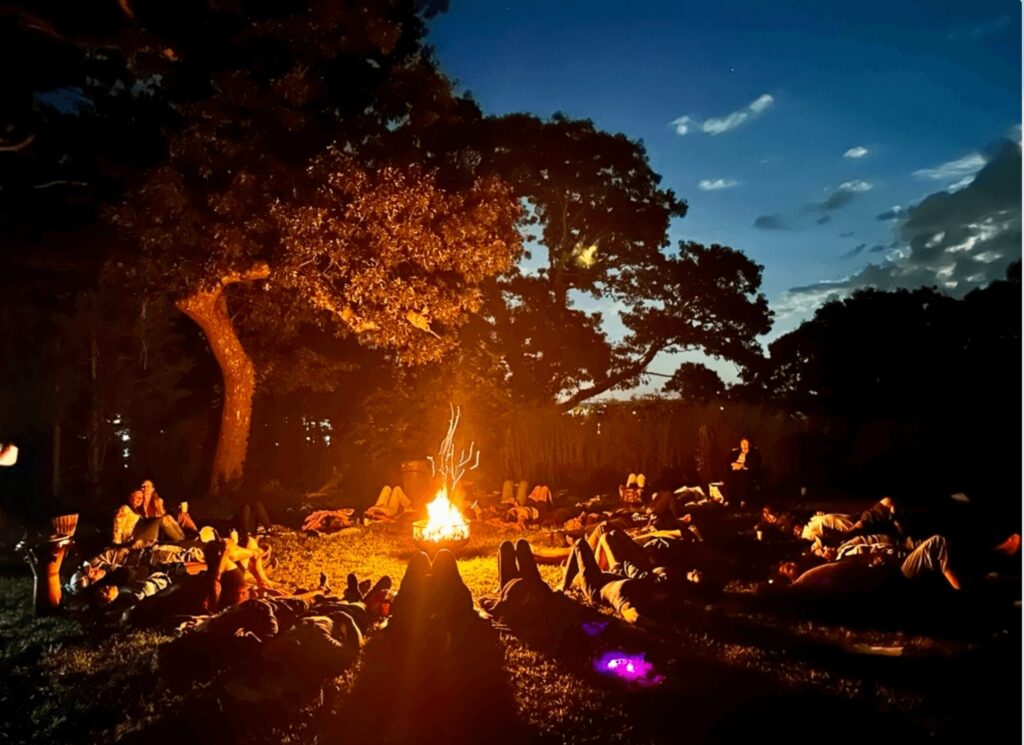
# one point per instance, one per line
(594, 628)
(632, 668)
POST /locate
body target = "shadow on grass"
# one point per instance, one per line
(410, 692)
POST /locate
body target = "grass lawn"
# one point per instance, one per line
(731, 670)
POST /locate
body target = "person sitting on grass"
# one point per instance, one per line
(133, 527)
(153, 506)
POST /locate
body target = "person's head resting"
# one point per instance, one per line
(136, 500)
(745, 444)
(106, 595)
(147, 488)
(788, 571)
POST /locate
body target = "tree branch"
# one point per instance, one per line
(608, 383)
(16, 146)
(256, 271)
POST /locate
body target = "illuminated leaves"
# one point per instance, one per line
(391, 256)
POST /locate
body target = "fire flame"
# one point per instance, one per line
(444, 521)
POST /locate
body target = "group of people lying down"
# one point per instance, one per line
(851, 553)
(266, 642)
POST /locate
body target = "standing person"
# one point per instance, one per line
(744, 479)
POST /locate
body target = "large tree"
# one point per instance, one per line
(598, 225)
(275, 192)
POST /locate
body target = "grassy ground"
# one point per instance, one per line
(732, 669)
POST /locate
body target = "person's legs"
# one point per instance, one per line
(399, 501)
(931, 555)
(148, 587)
(594, 536)
(260, 517)
(589, 575)
(147, 530)
(408, 605)
(187, 523)
(507, 569)
(527, 564)
(572, 568)
(170, 529)
(616, 547)
(245, 522)
(449, 593)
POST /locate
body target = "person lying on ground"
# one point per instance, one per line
(638, 592)
(231, 568)
(119, 578)
(879, 563)
(824, 527)
(776, 524)
(528, 607)
(391, 502)
(140, 560)
(667, 510)
(879, 518)
(680, 552)
(832, 527)
(133, 528)
(319, 522)
(270, 649)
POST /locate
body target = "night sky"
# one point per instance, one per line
(806, 134)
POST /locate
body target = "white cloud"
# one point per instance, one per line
(957, 241)
(761, 103)
(682, 124)
(720, 124)
(965, 181)
(716, 184)
(724, 124)
(954, 169)
(856, 152)
(857, 186)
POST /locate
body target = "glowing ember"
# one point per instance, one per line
(444, 521)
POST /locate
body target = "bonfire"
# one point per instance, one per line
(445, 527)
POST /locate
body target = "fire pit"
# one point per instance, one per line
(444, 527)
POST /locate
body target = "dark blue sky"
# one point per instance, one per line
(805, 121)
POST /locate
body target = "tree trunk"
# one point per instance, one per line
(95, 415)
(55, 461)
(209, 309)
